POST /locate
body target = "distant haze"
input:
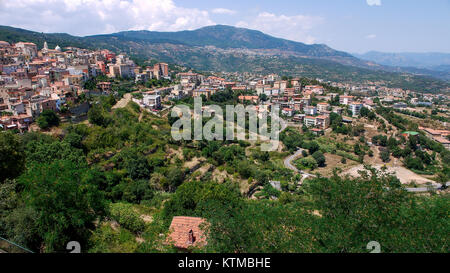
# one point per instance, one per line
(433, 60)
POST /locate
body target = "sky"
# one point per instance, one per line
(354, 26)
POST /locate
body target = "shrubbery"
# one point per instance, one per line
(127, 217)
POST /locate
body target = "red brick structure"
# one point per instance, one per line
(186, 232)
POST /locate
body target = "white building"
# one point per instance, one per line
(310, 110)
(355, 107)
(322, 107)
(346, 100)
(152, 101)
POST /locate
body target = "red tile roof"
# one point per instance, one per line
(442, 140)
(180, 229)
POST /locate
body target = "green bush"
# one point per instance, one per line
(48, 119)
(320, 158)
(307, 163)
(347, 155)
(127, 217)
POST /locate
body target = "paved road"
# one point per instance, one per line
(288, 164)
(288, 161)
(427, 189)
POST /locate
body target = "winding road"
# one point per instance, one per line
(288, 164)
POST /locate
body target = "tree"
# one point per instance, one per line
(313, 147)
(190, 198)
(320, 158)
(43, 151)
(307, 163)
(137, 191)
(263, 97)
(127, 217)
(364, 112)
(66, 203)
(357, 149)
(367, 204)
(74, 139)
(414, 163)
(392, 142)
(175, 177)
(136, 165)
(257, 227)
(385, 155)
(90, 84)
(48, 119)
(96, 116)
(292, 139)
(12, 156)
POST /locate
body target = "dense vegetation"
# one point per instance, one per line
(99, 183)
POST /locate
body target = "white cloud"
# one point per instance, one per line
(223, 11)
(295, 27)
(85, 17)
(371, 36)
(373, 2)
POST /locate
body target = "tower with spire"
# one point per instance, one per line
(45, 49)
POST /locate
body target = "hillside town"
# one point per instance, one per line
(228, 136)
(32, 81)
(105, 101)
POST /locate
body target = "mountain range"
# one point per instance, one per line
(231, 49)
(432, 60)
(433, 63)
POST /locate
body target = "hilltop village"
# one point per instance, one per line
(97, 123)
(32, 81)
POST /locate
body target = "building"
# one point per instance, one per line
(104, 86)
(252, 99)
(298, 118)
(442, 140)
(321, 122)
(310, 110)
(289, 92)
(27, 49)
(121, 70)
(346, 100)
(432, 133)
(355, 108)
(317, 131)
(189, 77)
(141, 77)
(161, 70)
(287, 112)
(152, 101)
(400, 105)
(322, 107)
(186, 232)
(316, 89)
(126, 71)
(309, 121)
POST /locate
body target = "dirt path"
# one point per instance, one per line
(404, 175)
(124, 101)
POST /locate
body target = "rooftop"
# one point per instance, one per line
(186, 232)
